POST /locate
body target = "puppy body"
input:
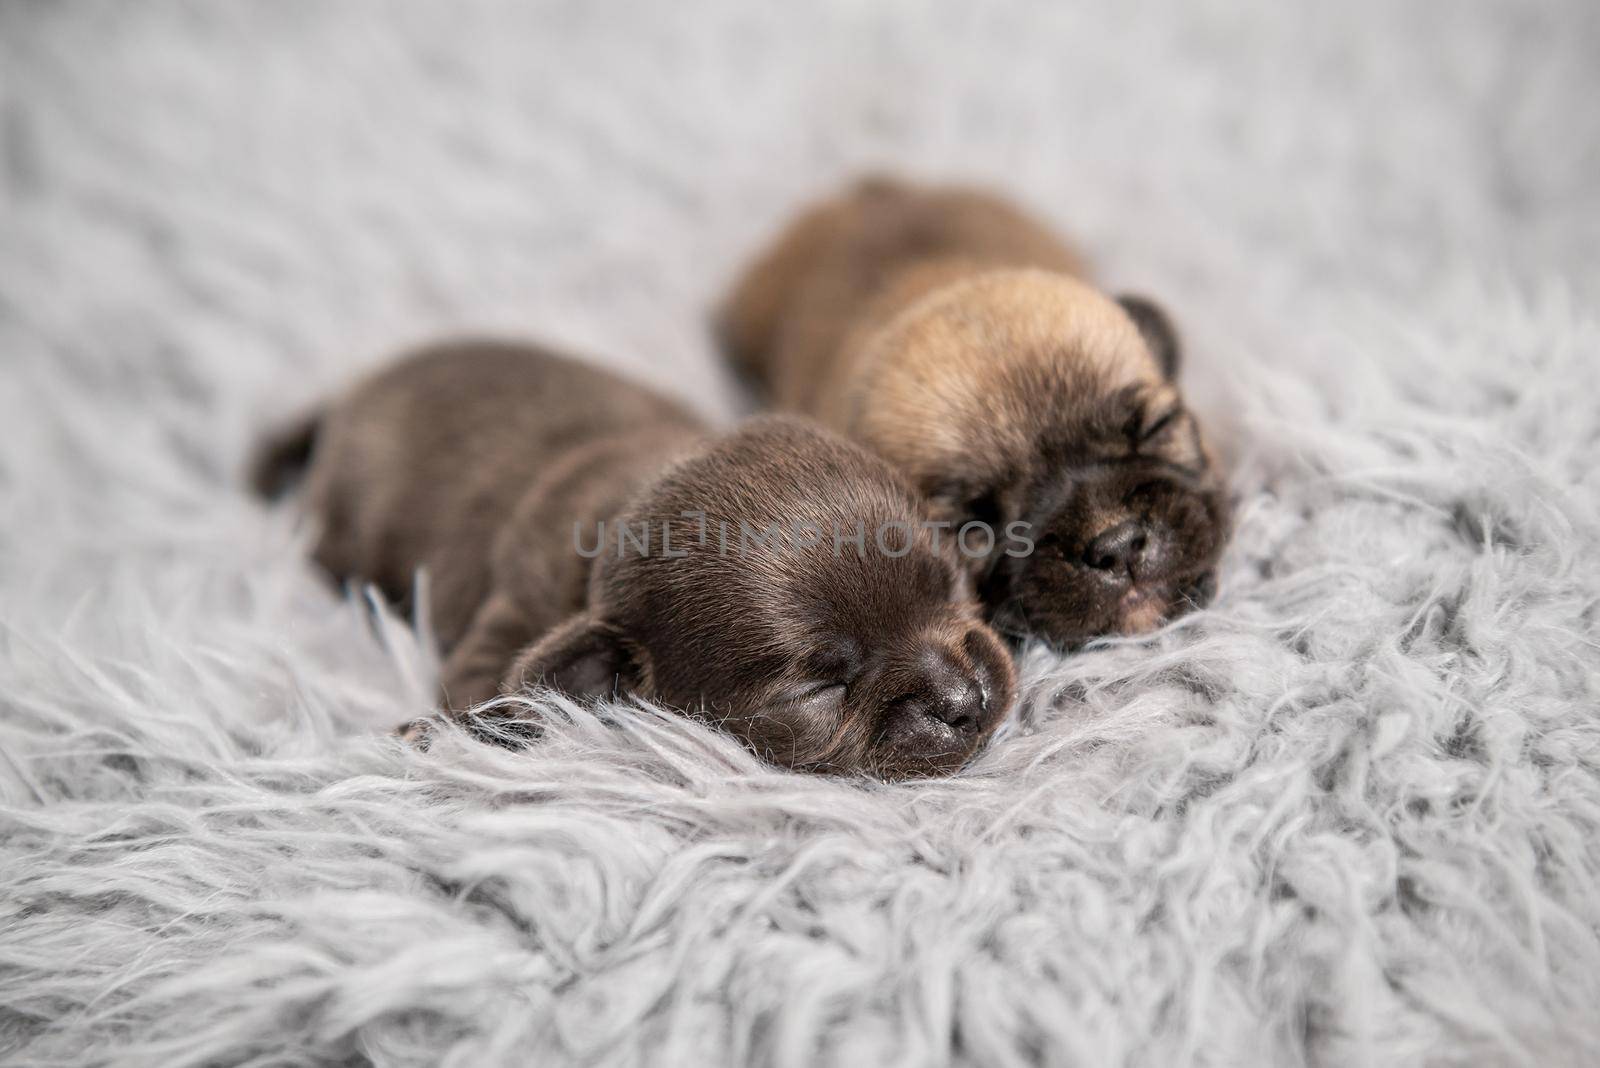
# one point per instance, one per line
(800, 319)
(506, 472)
(956, 337)
(442, 464)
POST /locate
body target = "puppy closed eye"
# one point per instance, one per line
(1151, 429)
(1052, 546)
(818, 696)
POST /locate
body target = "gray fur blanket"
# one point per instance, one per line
(1350, 815)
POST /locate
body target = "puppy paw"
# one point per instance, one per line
(418, 732)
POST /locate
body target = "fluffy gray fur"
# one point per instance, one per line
(1350, 815)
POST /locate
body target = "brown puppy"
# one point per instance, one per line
(580, 530)
(953, 335)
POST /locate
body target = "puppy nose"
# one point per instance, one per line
(948, 693)
(962, 708)
(1116, 548)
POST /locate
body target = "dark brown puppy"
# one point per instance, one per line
(952, 334)
(580, 530)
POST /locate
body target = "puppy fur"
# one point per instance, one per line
(488, 465)
(957, 338)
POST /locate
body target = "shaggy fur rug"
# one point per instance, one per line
(1350, 815)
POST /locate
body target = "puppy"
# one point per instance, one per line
(581, 531)
(954, 335)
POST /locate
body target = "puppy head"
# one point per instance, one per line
(1126, 527)
(798, 600)
(1030, 401)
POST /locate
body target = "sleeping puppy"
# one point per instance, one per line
(954, 336)
(581, 531)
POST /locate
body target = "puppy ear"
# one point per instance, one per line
(584, 658)
(1157, 331)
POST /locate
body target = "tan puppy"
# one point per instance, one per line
(955, 336)
(580, 530)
